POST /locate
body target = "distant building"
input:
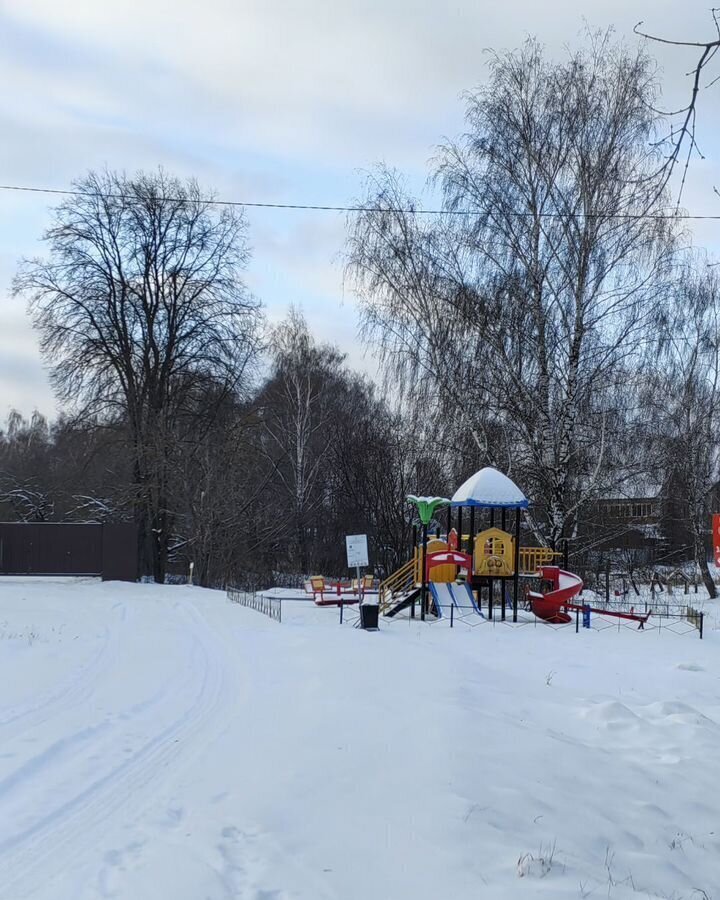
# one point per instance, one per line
(645, 523)
(620, 523)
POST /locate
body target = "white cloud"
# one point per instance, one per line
(350, 80)
(264, 99)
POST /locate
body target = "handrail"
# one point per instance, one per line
(400, 581)
(531, 558)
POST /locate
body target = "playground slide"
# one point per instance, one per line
(442, 596)
(446, 594)
(554, 606)
(464, 597)
(566, 587)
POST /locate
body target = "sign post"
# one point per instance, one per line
(357, 555)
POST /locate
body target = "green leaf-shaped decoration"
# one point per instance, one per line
(427, 506)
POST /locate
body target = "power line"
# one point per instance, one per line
(319, 207)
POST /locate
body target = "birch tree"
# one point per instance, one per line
(522, 309)
(297, 412)
(686, 406)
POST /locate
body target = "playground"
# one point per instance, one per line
(482, 742)
(467, 561)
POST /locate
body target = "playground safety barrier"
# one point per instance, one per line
(644, 605)
(531, 558)
(696, 618)
(268, 606)
(685, 622)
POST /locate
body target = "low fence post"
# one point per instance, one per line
(268, 606)
(577, 620)
(452, 614)
(702, 618)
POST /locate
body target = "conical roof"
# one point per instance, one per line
(490, 488)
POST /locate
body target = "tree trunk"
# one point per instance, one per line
(142, 517)
(701, 560)
(159, 525)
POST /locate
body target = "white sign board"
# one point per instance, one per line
(357, 551)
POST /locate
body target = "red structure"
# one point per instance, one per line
(556, 604)
(448, 558)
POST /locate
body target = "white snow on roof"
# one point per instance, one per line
(488, 487)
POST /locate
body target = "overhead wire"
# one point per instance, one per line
(327, 207)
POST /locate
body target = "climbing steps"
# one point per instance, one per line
(397, 588)
(402, 602)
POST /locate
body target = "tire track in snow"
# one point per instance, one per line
(29, 858)
(73, 692)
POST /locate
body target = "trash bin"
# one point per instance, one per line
(369, 616)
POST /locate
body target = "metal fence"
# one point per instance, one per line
(66, 548)
(669, 619)
(268, 606)
(696, 619)
(642, 606)
(682, 621)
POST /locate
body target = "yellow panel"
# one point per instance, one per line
(494, 553)
(441, 573)
(434, 545)
(531, 558)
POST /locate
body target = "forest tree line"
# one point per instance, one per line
(552, 319)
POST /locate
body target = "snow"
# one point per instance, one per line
(488, 487)
(160, 741)
(568, 580)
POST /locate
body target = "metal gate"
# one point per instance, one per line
(64, 548)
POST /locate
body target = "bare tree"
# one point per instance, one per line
(24, 487)
(219, 483)
(27, 500)
(681, 138)
(520, 313)
(297, 410)
(687, 406)
(140, 296)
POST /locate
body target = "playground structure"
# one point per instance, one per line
(464, 568)
(479, 552)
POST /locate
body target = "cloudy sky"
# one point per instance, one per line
(271, 101)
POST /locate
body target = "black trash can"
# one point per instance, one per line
(369, 616)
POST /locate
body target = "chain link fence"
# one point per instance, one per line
(679, 620)
(672, 619)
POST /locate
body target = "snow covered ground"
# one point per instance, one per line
(161, 742)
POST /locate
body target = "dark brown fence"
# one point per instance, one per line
(62, 548)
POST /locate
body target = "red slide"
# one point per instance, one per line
(554, 606)
(551, 606)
